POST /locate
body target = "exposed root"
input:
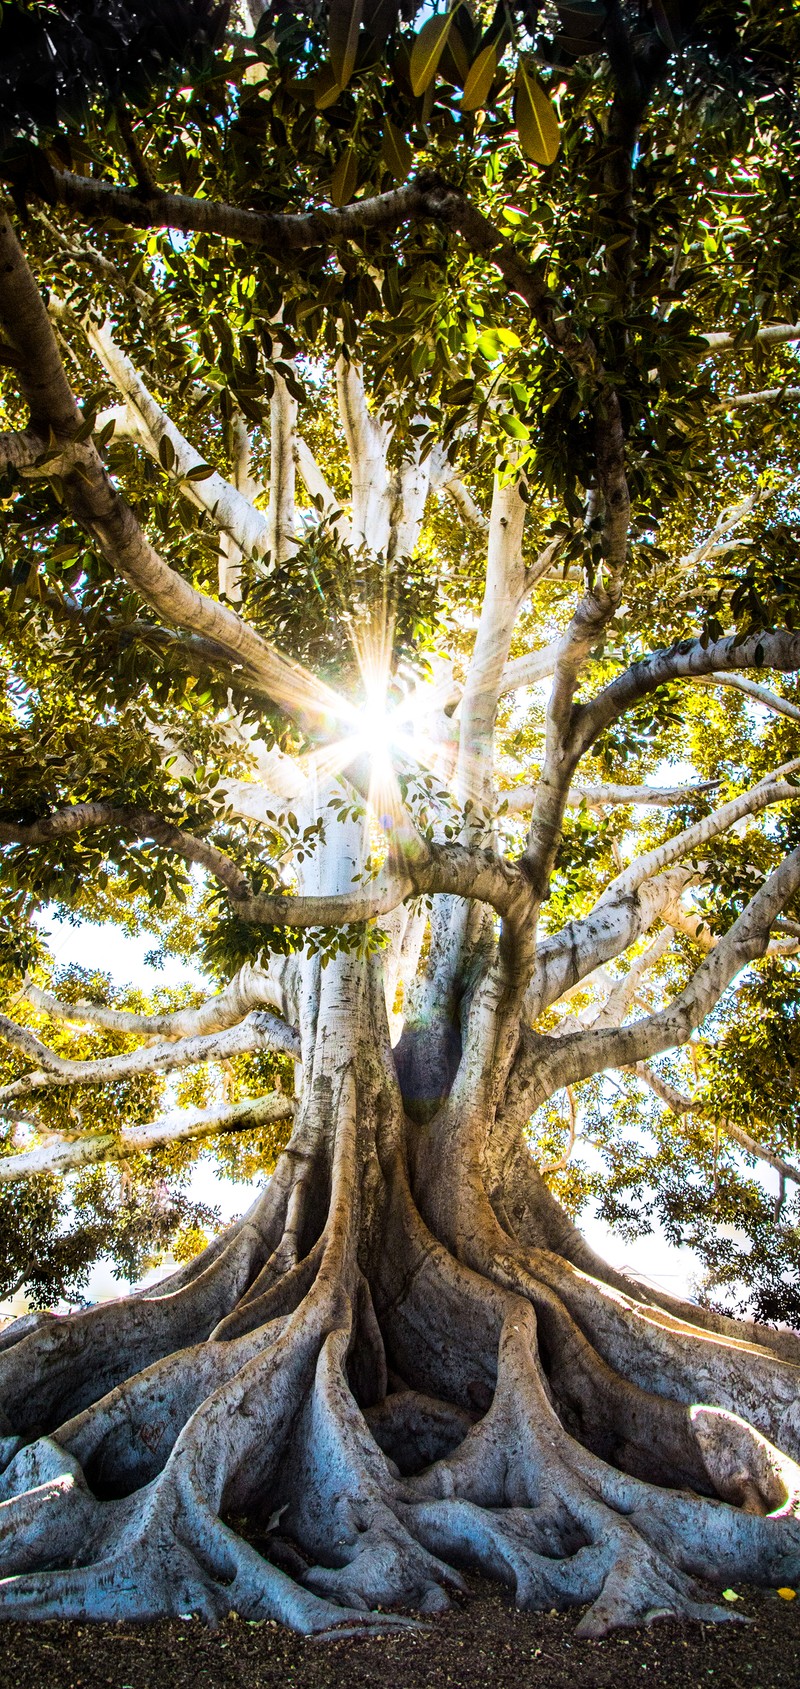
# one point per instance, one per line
(564, 1528)
(378, 1407)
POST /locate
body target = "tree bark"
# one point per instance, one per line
(397, 1366)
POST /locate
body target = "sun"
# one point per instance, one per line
(375, 730)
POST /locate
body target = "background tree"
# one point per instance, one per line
(311, 481)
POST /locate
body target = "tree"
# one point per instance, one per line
(492, 426)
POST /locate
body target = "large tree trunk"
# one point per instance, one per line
(393, 1367)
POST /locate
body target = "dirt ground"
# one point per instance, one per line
(483, 1643)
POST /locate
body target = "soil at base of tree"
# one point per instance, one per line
(482, 1643)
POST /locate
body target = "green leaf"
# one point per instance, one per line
(455, 59)
(489, 343)
(479, 79)
(395, 151)
(343, 27)
(166, 452)
(535, 118)
(427, 51)
(200, 472)
(327, 87)
(345, 177)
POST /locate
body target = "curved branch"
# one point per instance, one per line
(691, 838)
(761, 694)
(103, 513)
(569, 956)
(603, 796)
(82, 817)
(427, 197)
(260, 1030)
(562, 1061)
(679, 1104)
(61, 1156)
(367, 903)
(250, 988)
(687, 661)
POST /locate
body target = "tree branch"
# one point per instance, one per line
(504, 592)
(769, 791)
(228, 507)
(260, 1030)
(768, 395)
(773, 334)
(251, 988)
(761, 694)
(679, 1104)
(100, 510)
(62, 1156)
(779, 650)
(561, 1061)
(565, 958)
(142, 823)
(530, 669)
(604, 796)
(281, 517)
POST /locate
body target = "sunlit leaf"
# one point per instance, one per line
(427, 51)
(479, 79)
(535, 118)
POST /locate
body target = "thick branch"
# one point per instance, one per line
(250, 988)
(61, 1156)
(83, 817)
(98, 507)
(687, 661)
(504, 593)
(259, 1031)
(562, 1061)
(569, 956)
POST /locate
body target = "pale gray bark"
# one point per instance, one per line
(59, 1156)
